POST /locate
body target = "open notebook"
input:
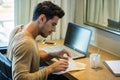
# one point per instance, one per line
(76, 41)
(73, 66)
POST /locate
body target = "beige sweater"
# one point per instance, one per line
(24, 54)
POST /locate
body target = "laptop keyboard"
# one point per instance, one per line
(74, 54)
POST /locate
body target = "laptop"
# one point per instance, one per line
(76, 41)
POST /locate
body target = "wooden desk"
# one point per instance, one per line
(102, 73)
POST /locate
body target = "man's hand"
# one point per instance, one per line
(58, 66)
(64, 54)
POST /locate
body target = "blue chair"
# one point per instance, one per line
(5, 68)
(3, 49)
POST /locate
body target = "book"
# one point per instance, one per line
(113, 66)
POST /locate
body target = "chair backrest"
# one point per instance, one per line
(5, 68)
(3, 49)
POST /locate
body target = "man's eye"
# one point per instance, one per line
(53, 24)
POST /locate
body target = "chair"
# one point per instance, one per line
(5, 68)
(3, 49)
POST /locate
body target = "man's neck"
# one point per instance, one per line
(32, 29)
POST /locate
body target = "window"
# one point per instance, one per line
(104, 14)
(6, 20)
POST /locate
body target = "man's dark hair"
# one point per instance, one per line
(49, 9)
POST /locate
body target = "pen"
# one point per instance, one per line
(49, 43)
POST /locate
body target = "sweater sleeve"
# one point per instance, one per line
(21, 65)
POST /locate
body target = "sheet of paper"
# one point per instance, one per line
(73, 66)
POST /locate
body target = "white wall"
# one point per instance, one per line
(105, 40)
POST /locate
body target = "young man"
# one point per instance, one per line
(23, 50)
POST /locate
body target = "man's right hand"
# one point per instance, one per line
(58, 66)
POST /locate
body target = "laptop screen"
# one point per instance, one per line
(78, 38)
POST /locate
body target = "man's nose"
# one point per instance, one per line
(54, 29)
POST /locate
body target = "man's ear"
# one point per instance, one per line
(42, 18)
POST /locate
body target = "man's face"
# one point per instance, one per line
(49, 27)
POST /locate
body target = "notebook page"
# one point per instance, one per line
(73, 66)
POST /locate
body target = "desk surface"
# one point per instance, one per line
(102, 73)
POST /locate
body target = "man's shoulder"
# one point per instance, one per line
(16, 30)
(22, 41)
(24, 38)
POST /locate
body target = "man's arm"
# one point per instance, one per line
(44, 57)
(60, 54)
(22, 68)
